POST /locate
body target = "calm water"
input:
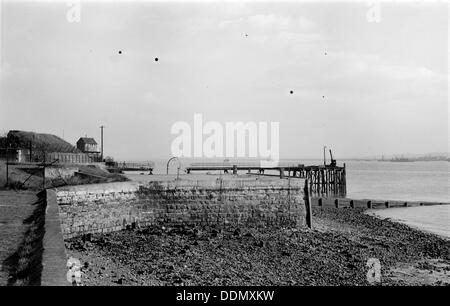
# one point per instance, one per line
(409, 181)
(433, 219)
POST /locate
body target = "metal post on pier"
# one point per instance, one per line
(307, 198)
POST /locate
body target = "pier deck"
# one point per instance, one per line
(125, 166)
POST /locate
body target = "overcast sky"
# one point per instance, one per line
(361, 88)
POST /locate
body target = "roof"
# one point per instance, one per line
(39, 141)
(87, 140)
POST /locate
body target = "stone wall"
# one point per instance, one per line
(115, 206)
(60, 172)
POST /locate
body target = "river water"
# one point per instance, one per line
(433, 219)
(405, 181)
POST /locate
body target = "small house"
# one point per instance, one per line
(87, 145)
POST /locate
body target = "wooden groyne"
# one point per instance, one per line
(367, 203)
(324, 180)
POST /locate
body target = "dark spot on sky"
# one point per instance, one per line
(325, 53)
(291, 92)
(246, 35)
(120, 51)
(323, 97)
(156, 59)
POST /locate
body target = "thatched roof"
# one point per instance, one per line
(40, 141)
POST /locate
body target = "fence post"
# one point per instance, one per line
(308, 204)
(43, 173)
(7, 167)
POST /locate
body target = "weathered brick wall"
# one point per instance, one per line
(111, 207)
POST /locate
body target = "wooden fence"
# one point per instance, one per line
(72, 158)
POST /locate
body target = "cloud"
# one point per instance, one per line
(230, 22)
(270, 22)
(263, 28)
(356, 65)
(278, 22)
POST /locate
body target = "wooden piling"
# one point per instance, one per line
(282, 173)
(386, 204)
(352, 204)
(234, 169)
(369, 204)
(308, 204)
(336, 203)
(320, 202)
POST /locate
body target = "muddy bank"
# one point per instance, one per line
(335, 252)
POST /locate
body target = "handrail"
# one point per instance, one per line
(168, 162)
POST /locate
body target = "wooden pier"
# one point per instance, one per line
(125, 166)
(326, 181)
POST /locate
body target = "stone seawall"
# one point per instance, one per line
(115, 206)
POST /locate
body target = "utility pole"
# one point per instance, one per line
(324, 156)
(7, 166)
(101, 154)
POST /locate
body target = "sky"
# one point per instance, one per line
(361, 88)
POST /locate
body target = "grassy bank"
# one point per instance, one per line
(17, 231)
(334, 253)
